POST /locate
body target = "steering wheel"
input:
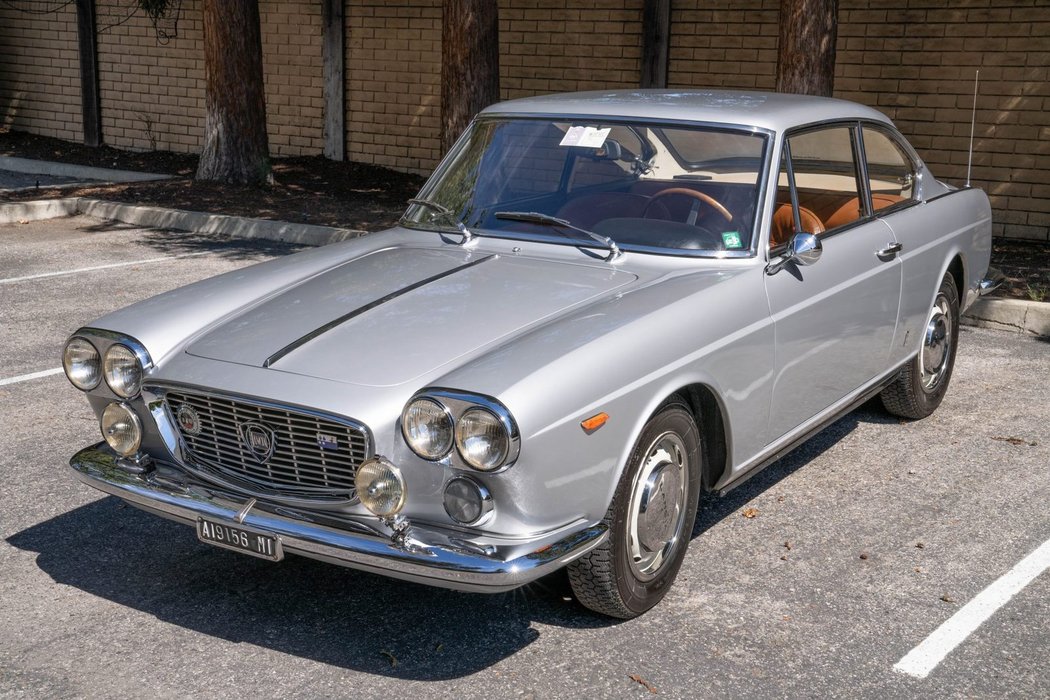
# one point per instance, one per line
(698, 196)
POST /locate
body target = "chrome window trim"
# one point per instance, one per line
(457, 402)
(760, 183)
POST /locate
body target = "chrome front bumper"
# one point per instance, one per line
(429, 556)
(992, 281)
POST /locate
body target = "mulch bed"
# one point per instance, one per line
(314, 190)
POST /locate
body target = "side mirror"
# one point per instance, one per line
(803, 249)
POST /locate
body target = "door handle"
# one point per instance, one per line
(891, 250)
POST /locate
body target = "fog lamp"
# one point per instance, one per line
(467, 502)
(380, 487)
(122, 429)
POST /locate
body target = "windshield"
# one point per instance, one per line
(647, 187)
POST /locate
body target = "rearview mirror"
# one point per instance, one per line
(803, 249)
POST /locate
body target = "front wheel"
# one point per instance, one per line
(923, 382)
(650, 520)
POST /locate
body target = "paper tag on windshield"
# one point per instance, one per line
(585, 137)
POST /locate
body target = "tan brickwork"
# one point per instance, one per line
(915, 61)
(393, 93)
(40, 70)
(155, 88)
(912, 59)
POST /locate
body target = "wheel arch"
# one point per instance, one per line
(709, 414)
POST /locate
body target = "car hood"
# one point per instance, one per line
(397, 314)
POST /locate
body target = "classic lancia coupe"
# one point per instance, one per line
(601, 310)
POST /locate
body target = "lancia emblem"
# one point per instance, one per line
(188, 419)
(259, 439)
(327, 442)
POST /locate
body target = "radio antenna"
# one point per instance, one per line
(973, 119)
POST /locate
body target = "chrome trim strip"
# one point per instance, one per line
(992, 280)
(435, 558)
(296, 344)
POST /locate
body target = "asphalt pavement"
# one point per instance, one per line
(813, 579)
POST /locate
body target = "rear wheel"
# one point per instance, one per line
(923, 382)
(649, 522)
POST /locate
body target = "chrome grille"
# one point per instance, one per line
(298, 468)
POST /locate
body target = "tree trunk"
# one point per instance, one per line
(806, 59)
(469, 63)
(236, 150)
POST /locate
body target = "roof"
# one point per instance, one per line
(769, 110)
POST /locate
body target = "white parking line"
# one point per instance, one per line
(32, 375)
(11, 280)
(924, 658)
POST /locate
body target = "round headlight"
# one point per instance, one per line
(82, 363)
(122, 429)
(380, 487)
(465, 501)
(482, 439)
(123, 371)
(427, 428)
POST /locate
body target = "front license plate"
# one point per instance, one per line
(241, 539)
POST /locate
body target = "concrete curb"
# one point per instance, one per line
(83, 172)
(37, 210)
(221, 224)
(1014, 315)
(156, 217)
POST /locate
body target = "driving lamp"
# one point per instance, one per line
(427, 427)
(122, 429)
(123, 371)
(380, 487)
(465, 501)
(482, 439)
(82, 364)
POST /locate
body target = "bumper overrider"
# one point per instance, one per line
(429, 555)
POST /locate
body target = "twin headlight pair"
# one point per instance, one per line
(122, 369)
(479, 430)
(86, 367)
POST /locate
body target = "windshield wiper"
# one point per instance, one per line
(535, 217)
(447, 214)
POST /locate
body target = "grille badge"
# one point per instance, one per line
(259, 438)
(327, 442)
(188, 419)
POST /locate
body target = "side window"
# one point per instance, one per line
(825, 177)
(891, 174)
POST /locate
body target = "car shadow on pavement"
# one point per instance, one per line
(713, 510)
(172, 242)
(325, 613)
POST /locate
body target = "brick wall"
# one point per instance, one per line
(153, 89)
(152, 92)
(912, 59)
(915, 60)
(393, 93)
(393, 61)
(40, 72)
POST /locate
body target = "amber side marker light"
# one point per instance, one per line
(594, 422)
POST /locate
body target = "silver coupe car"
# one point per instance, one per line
(602, 308)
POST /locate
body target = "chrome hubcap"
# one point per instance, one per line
(937, 345)
(657, 507)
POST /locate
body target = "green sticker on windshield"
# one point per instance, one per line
(732, 239)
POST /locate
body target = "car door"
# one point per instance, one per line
(834, 320)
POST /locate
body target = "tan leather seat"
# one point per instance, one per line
(784, 224)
